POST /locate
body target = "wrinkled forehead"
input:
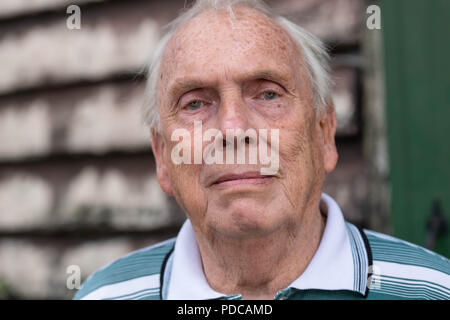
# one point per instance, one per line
(215, 40)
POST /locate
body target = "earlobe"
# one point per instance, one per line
(162, 174)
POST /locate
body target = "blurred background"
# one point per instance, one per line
(77, 176)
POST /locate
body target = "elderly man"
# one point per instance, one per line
(233, 68)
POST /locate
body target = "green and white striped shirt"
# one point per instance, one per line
(350, 263)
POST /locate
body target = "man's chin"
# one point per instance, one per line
(243, 196)
(245, 231)
(246, 221)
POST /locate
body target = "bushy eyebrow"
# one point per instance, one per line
(271, 75)
(184, 84)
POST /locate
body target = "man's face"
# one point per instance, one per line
(244, 73)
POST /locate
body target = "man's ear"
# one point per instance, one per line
(328, 124)
(162, 173)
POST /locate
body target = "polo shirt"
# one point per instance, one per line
(350, 263)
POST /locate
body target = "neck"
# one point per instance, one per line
(259, 267)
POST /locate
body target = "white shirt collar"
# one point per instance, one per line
(332, 267)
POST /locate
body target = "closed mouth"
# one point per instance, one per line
(252, 178)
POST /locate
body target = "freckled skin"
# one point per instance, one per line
(253, 240)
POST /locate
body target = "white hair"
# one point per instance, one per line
(314, 51)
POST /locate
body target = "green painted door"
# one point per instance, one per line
(416, 42)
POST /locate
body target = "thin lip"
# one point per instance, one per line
(240, 176)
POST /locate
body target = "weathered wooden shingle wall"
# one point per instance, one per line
(77, 181)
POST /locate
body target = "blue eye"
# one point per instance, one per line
(194, 105)
(269, 95)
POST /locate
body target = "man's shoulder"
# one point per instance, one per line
(393, 250)
(133, 276)
(405, 270)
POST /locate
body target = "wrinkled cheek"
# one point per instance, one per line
(297, 164)
(187, 189)
(294, 151)
(298, 177)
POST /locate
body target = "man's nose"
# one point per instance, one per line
(232, 114)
